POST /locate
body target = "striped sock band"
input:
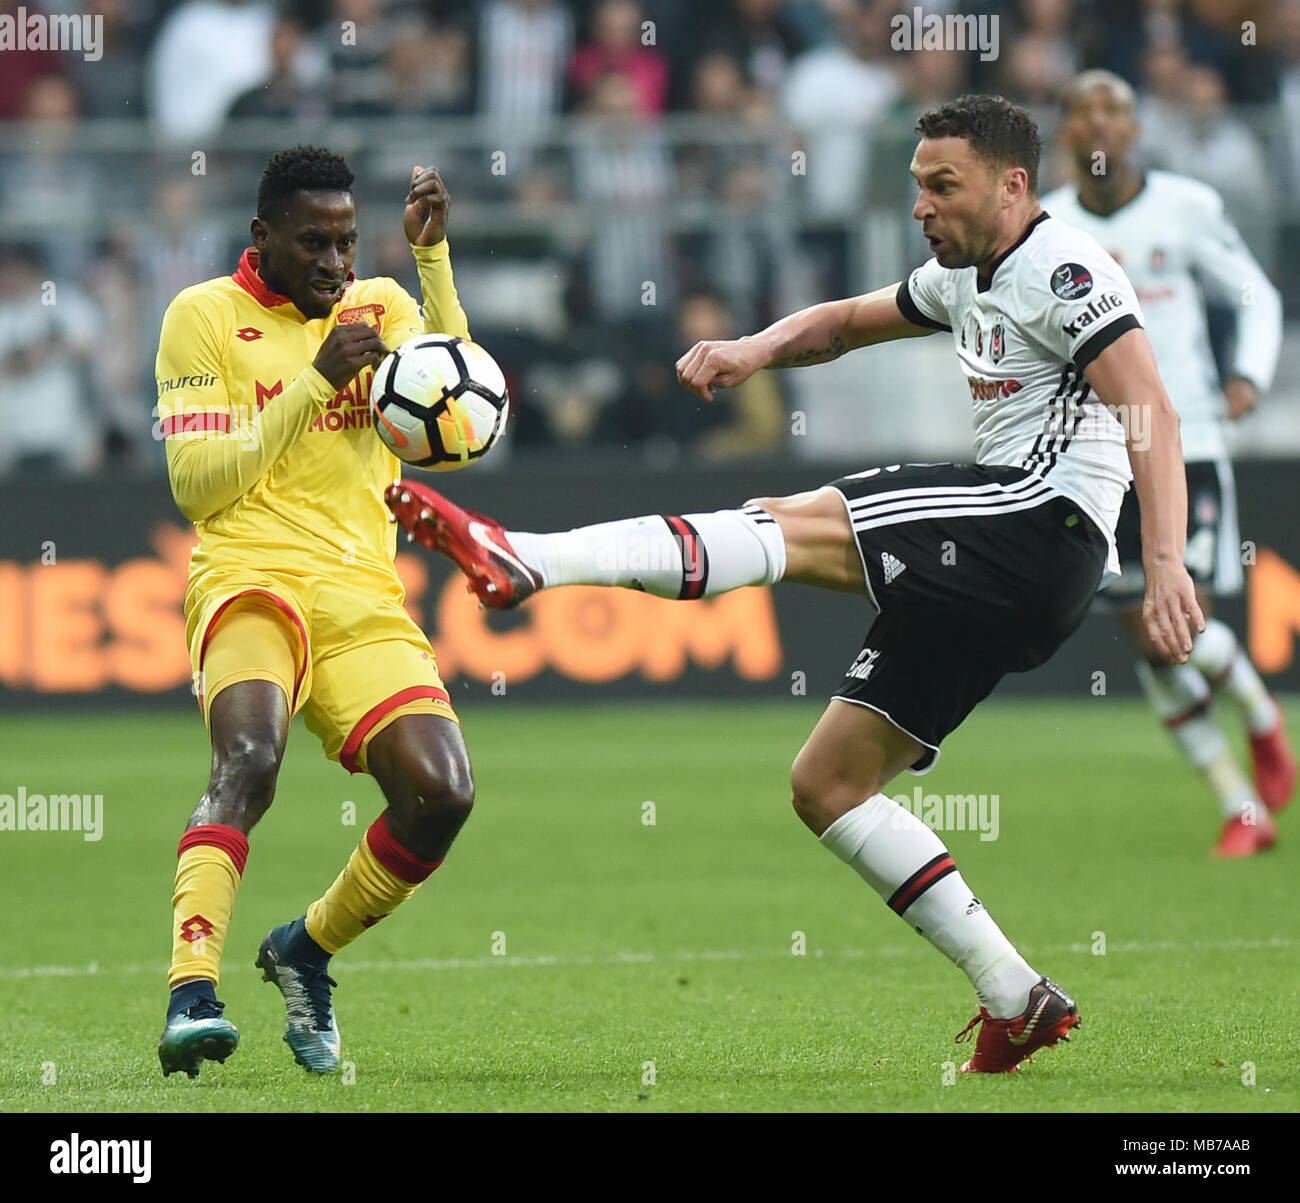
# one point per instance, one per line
(907, 865)
(930, 873)
(694, 557)
(209, 870)
(379, 876)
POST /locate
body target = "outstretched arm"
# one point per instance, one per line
(1124, 376)
(425, 222)
(817, 334)
(824, 332)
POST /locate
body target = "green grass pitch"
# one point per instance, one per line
(652, 967)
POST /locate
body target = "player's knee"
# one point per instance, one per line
(820, 797)
(246, 769)
(452, 793)
(809, 790)
(435, 791)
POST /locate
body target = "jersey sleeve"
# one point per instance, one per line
(1228, 271)
(441, 311)
(402, 320)
(1079, 306)
(216, 450)
(924, 296)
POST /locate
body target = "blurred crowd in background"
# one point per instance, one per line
(628, 176)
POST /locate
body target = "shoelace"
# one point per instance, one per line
(317, 984)
(969, 1030)
(205, 1008)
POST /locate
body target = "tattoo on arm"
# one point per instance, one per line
(798, 359)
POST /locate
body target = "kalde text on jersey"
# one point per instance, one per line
(1095, 309)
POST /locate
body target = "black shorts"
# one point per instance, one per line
(1213, 550)
(976, 572)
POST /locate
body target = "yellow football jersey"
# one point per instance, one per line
(273, 465)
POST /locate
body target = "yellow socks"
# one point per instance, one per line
(380, 875)
(208, 874)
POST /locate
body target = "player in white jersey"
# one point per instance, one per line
(1170, 235)
(975, 570)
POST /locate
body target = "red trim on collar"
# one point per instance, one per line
(247, 278)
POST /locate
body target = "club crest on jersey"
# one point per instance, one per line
(998, 345)
(361, 313)
(1157, 259)
(979, 340)
(1071, 281)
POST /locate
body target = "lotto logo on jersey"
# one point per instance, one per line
(1071, 281)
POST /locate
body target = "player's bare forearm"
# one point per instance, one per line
(1124, 376)
(813, 335)
(817, 334)
(1126, 379)
(1160, 480)
(824, 332)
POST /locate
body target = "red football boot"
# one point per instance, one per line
(1239, 838)
(1004, 1043)
(476, 543)
(1274, 764)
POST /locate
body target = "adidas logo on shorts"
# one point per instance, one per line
(893, 566)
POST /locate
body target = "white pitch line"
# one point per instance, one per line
(684, 956)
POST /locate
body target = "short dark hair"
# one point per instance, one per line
(301, 169)
(999, 132)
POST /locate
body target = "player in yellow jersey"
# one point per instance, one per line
(293, 601)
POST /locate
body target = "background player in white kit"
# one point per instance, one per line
(1172, 238)
(976, 569)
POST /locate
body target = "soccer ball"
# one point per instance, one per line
(439, 402)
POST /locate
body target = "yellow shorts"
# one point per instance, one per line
(346, 653)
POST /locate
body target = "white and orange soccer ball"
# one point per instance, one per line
(439, 402)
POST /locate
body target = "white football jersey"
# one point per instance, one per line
(1054, 302)
(1174, 241)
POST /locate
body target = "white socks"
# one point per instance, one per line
(1181, 697)
(900, 858)
(1184, 701)
(1218, 655)
(687, 557)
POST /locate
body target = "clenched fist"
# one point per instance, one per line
(425, 218)
(347, 350)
